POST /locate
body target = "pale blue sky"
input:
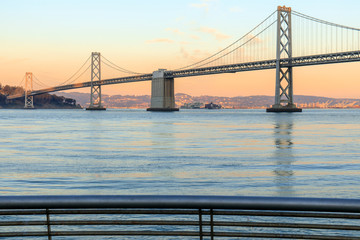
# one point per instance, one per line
(52, 38)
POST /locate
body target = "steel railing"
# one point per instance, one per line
(185, 217)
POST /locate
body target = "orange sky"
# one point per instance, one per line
(53, 39)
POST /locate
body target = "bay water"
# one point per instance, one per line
(315, 153)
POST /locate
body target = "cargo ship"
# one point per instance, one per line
(194, 105)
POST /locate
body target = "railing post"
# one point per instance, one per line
(284, 75)
(200, 225)
(211, 224)
(29, 100)
(48, 224)
(95, 94)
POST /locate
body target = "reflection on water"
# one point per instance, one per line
(224, 152)
(283, 154)
(162, 134)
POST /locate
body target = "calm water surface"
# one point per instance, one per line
(224, 152)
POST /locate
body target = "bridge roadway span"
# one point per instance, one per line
(233, 68)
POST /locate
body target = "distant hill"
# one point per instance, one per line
(115, 101)
(260, 101)
(40, 101)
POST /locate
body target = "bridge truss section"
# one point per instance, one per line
(95, 94)
(29, 99)
(284, 74)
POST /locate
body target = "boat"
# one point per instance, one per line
(212, 106)
(194, 105)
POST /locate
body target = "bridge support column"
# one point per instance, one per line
(95, 95)
(284, 74)
(162, 92)
(29, 100)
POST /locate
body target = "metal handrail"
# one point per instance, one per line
(182, 216)
(183, 201)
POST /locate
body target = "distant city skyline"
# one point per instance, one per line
(53, 38)
(181, 99)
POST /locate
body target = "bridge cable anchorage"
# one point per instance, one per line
(231, 45)
(116, 67)
(29, 99)
(86, 61)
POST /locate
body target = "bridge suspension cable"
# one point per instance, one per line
(81, 74)
(312, 36)
(323, 21)
(112, 65)
(252, 38)
(39, 83)
(21, 82)
(72, 76)
(236, 49)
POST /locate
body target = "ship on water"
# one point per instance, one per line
(212, 106)
(194, 105)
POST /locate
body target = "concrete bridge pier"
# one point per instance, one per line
(162, 93)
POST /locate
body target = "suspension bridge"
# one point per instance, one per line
(284, 40)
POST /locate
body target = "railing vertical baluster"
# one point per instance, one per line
(211, 224)
(200, 224)
(48, 224)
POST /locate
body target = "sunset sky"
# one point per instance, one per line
(53, 38)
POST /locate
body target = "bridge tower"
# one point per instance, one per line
(29, 100)
(284, 71)
(95, 95)
(162, 92)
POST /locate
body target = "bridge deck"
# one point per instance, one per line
(233, 68)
